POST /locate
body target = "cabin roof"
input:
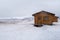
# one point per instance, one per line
(43, 11)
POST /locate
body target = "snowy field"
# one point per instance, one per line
(24, 30)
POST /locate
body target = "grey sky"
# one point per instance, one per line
(20, 8)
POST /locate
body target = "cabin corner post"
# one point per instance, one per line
(35, 21)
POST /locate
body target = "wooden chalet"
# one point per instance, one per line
(44, 17)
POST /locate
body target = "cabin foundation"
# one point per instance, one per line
(38, 25)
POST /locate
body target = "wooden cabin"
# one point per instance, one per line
(44, 17)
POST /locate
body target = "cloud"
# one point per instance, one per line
(20, 8)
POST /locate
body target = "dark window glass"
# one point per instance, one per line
(46, 18)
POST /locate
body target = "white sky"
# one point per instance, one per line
(20, 8)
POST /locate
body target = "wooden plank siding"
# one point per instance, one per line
(44, 18)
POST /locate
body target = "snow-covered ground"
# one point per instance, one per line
(24, 30)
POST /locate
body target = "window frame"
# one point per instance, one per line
(45, 18)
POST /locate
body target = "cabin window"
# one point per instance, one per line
(39, 18)
(46, 18)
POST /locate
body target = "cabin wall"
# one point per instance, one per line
(35, 20)
(42, 21)
(50, 20)
(55, 19)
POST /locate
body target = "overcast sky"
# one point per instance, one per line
(20, 8)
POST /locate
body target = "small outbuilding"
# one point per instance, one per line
(44, 17)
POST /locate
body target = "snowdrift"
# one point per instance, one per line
(24, 30)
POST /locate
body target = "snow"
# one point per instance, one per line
(24, 30)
